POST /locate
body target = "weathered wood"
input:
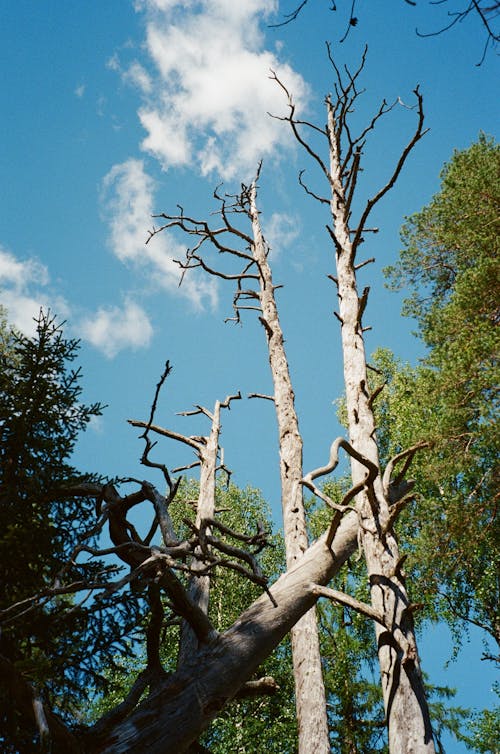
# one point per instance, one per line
(175, 714)
(199, 585)
(310, 696)
(406, 708)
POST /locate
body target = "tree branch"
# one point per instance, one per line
(418, 134)
(408, 455)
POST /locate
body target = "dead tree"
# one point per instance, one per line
(404, 698)
(207, 451)
(177, 708)
(167, 712)
(255, 291)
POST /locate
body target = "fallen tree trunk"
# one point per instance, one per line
(182, 707)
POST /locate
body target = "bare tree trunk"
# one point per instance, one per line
(179, 709)
(407, 714)
(254, 284)
(199, 585)
(309, 686)
(404, 697)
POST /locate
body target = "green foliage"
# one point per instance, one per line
(450, 262)
(456, 233)
(484, 731)
(249, 726)
(58, 650)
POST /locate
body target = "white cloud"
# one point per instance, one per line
(280, 231)
(19, 274)
(127, 197)
(24, 290)
(138, 75)
(128, 201)
(212, 91)
(80, 91)
(112, 329)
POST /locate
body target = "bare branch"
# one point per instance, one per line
(340, 442)
(188, 609)
(408, 455)
(418, 134)
(289, 17)
(348, 601)
(308, 191)
(294, 123)
(161, 507)
(178, 469)
(353, 21)
(261, 395)
(41, 723)
(307, 481)
(367, 261)
(122, 710)
(265, 686)
(368, 611)
(375, 394)
(193, 442)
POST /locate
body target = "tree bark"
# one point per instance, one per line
(179, 709)
(404, 696)
(309, 686)
(199, 585)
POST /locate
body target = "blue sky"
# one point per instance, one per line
(112, 111)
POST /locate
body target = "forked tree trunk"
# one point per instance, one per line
(309, 686)
(404, 697)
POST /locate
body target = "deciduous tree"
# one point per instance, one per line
(450, 264)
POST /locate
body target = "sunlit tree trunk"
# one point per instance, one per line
(309, 685)
(404, 698)
(180, 708)
(199, 585)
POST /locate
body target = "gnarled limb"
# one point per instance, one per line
(182, 706)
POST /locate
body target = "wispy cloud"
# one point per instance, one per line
(113, 329)
(207, 96)
(135, 74)
(128, 202)
(80, 90)
(25, 289)
(280, 230)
